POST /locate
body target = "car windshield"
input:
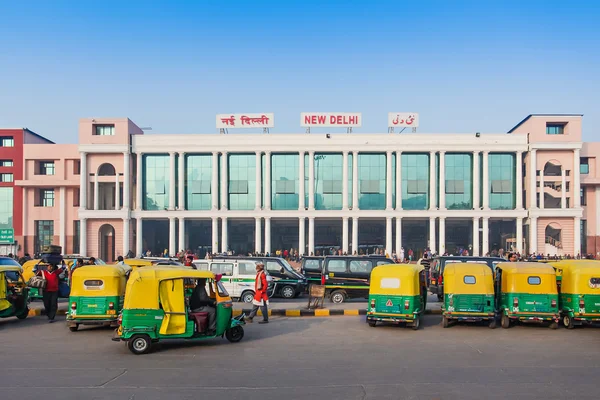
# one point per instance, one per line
(288, 268)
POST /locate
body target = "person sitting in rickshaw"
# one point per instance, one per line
(200, 301)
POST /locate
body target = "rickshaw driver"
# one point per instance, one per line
(200, 301)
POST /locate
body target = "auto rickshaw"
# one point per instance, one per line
(14, 293)
(579, 298)
(136, 263)
(468, 294)
(97, 294)
(526, 292)
(398, 293)
(157, 307)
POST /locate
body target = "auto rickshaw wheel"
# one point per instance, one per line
(74, 328)
(416, 324)
(372, 324)
(568, 322)
(338, 297)
(505, 321)
(139, 344)
(24, 314)
(553, 325)
(492, 324)
(445, 322)
(235, 334)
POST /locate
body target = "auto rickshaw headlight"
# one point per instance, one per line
(111, 305)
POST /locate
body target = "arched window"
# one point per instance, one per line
(106, 170)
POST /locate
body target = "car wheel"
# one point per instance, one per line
(568, 322)
(74, 328)
(416, 324)
(139, 344)
(247, 297)
(287, 292)
(445, 322)
(235, 334)
(338, 297)
(505, 321)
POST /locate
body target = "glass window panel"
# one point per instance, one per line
(156, 180)
(242, 181)
(415, 181)
(6, 207)
(328, 181)
(459, 183)
(372, 185)
(502, 176)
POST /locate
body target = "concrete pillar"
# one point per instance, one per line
(214, 189)
(311, 235)
(442, 243)
(345, 235)
(215, 235)
(345, 181)
(182, 245)
(398, 233)
(258, 198)
(126, 232)
(542, 190)
(563, 193)
(577, 233)
(432, 183)
(258, 235)
(117, 192)
(126, 181)
(533, 179)
(96, 190)
(476, 252)
(25, 220)
(486, 181)
(486, 236)
(224, 235)
(62, 218)
(354, 233)
(354, 182)
(388, 182)
(83, 236)
(301, 236)
(224, 182)
(139, 201)
(268, 235)
(476, 186)
(301, 193)
(388, 236)
(83, 181)
(398, 182)
(172, 238)
(267, 183)
(181, 182)
(172, 192)
(533, 235)
(442, 184)
(576, 181)
(139, 239)
(311, 180)
(519, 180)
(432, 244)
(519, 222)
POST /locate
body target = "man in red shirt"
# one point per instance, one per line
(50, 295)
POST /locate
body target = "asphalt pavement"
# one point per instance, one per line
(304, 358)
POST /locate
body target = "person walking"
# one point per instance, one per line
(50, 295)
(261, 298)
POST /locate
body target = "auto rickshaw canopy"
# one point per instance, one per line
(396, 279)
(579, 276)
(527, 277)
(99, 280)
(468, 278)
(138, 262)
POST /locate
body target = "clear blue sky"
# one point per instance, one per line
(464, 66)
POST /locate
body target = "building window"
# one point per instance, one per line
(284, 181)
(459, 181)
(584, 166)
(77, 167)
(7, 141)
(76, 234)
(555, 129)
(156, 180)
(76, 194)
(415, 181)
(104, 130)
(6, 207)
(241, 181)
(198, 170)
(46, 168)
(371, 181)
(583, 237)
(6, 177)
(582, 196)
(6, 163)
(46, 198)
(44, 234)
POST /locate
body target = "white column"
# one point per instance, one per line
(126, 181)
(442, 243)
(311, 180)
(25, 220)
(354, 233)
(563, 193)
(182, 245)
(301, 236)
(172, 246)
(301, 204)
(139, 242)
(542, 190)
(476, 186)
(117, 192)
(224, 181)
(258, 235)
(486, 236)
(345, 182)
(432, 184)
(442, 184)
(139, 184)
(476, 237)
(355, 183)
(576, 181)
(181, 182)
(311, 235)
(520, 235)
(519, 182)
(432, 244)
(388, 182)
(214, 190)
(533, 179)
(345, 234)
(215, 235)
(224, 235)
(577, 234)
(83, 236)
(388, 236)
(533, 235)
(172, 192)
(267, 183)
(258, 198)
(398, 183)
(126, 232)
(597, 207)
(83, 182)
(62, 218)
(268, 235)
(398, 233)
(96, 190)
(486, 181)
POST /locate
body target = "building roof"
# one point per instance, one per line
(543, 115)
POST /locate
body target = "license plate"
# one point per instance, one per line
(112, 312)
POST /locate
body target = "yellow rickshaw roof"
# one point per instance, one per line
(526, 268)
(100, 271)
(468, 269)
(563, 264)
(137, 262)
(396, 270)
(170, 272)
(8, 268)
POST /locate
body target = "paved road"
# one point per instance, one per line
(304, 358)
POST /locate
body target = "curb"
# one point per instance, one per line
(36, 312)
(317, 313)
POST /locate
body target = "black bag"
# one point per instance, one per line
(54, 259)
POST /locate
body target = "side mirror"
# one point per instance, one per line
(282, 270)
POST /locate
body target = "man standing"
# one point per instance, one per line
(261, 298)
(50, 295)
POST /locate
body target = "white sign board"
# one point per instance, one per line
(225, 121)
(403, 120)
(330, 120)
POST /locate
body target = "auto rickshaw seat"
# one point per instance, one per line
(201, 319)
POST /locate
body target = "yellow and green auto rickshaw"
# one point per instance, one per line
(526, 292)
(398, 293)
(157, 307)
(579, 298)
(468, 294)
(97, 294)
(14, 293)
